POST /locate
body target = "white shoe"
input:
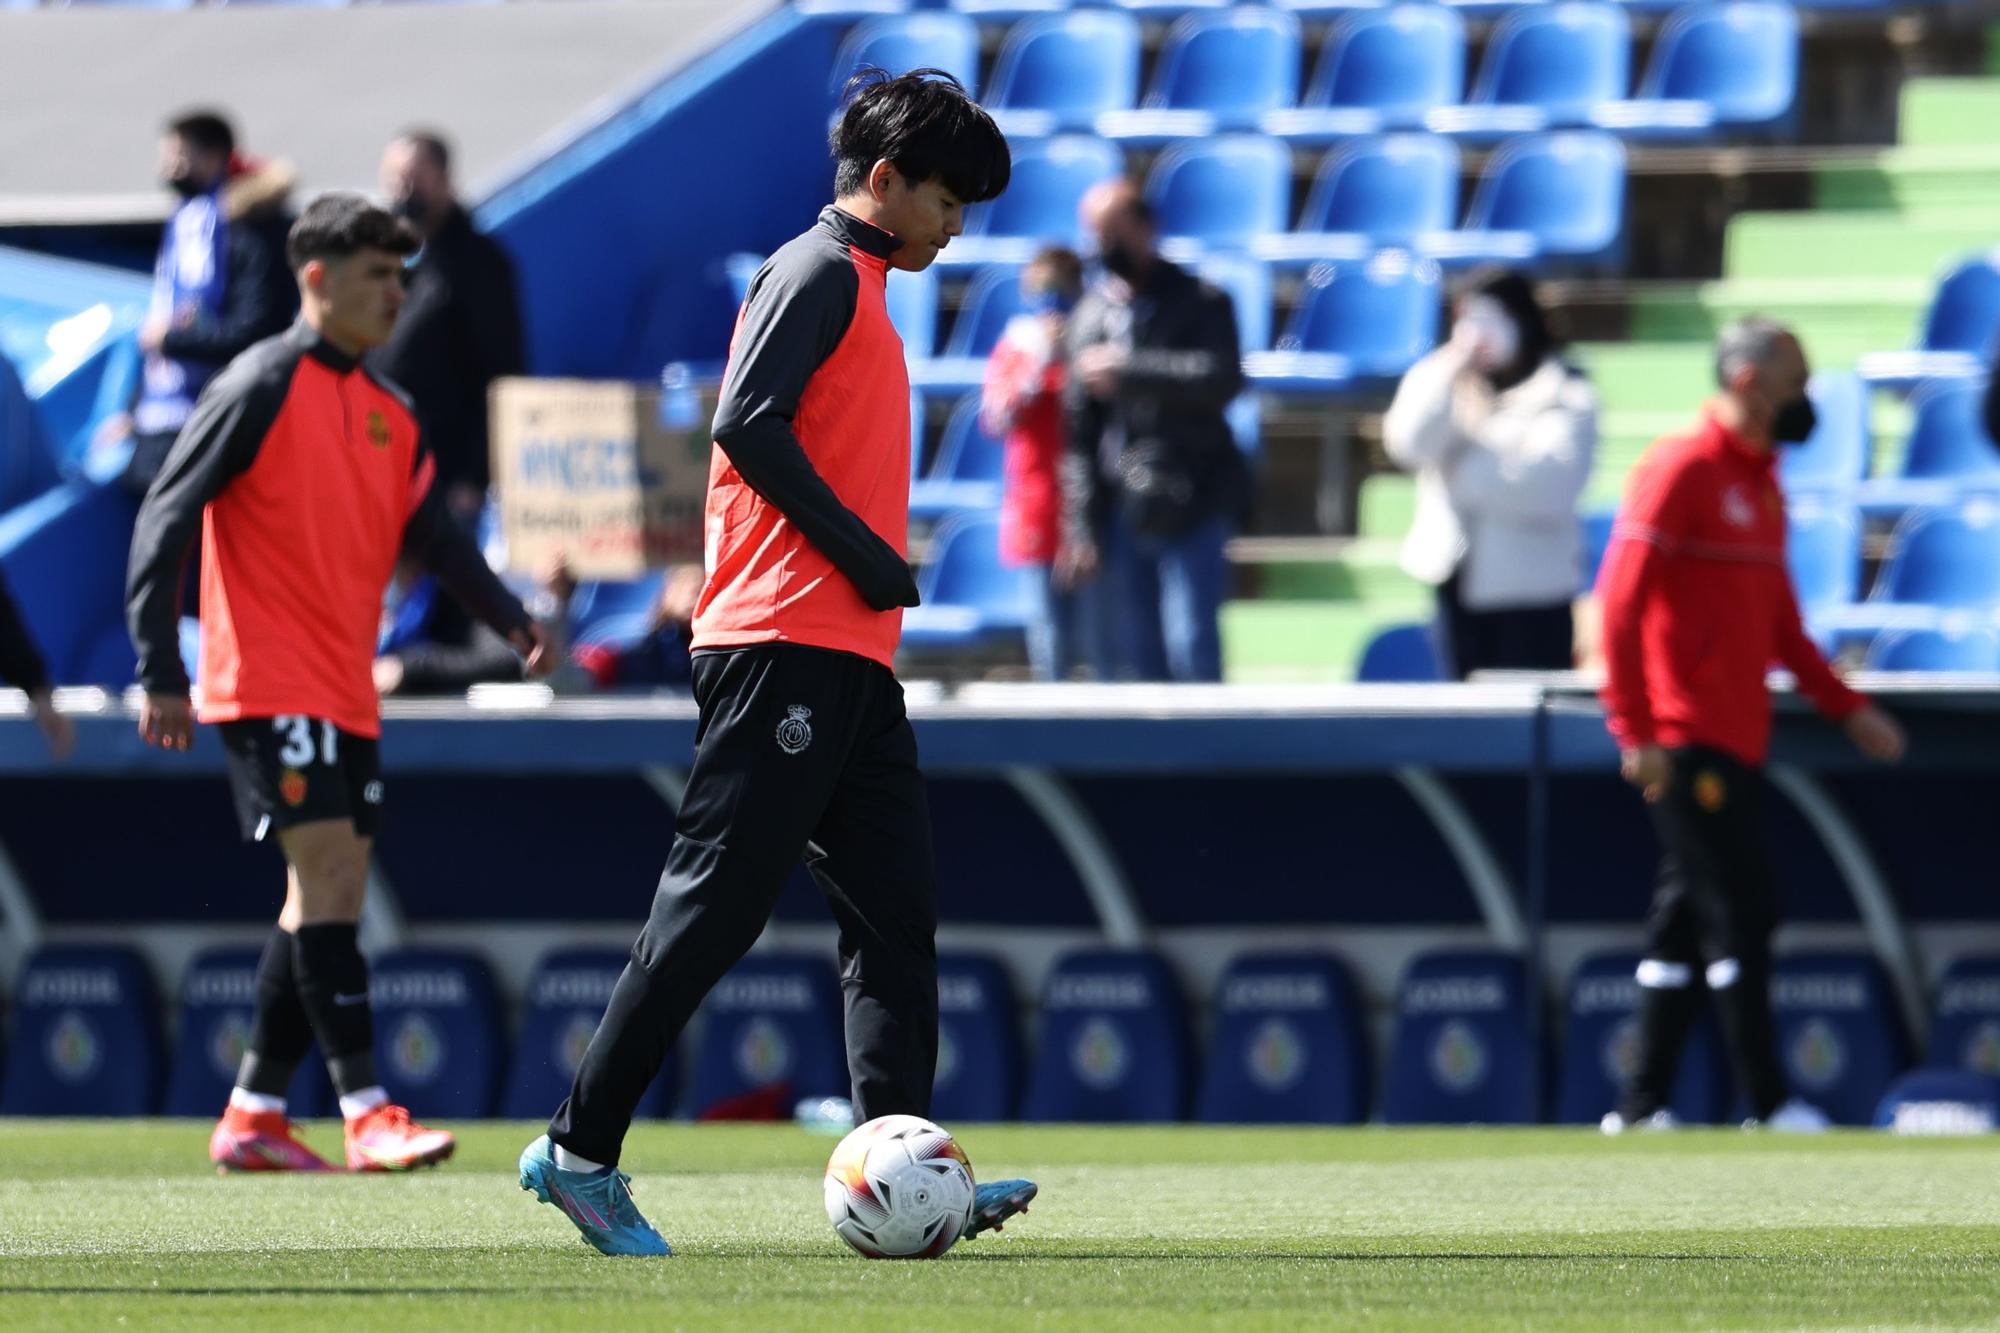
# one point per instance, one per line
(1796, 1116)
(1662, 1119)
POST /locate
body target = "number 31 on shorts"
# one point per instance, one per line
(298, 733)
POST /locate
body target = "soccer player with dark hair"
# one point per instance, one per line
(305, 476)
(803, 746)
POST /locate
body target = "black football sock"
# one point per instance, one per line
(333, 986)
(279, 1033)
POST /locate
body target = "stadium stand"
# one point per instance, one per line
(969, 597)
(1218, 70)
(979, 1042)
(1380, 68)
(1838, 1036)
(564, 1001)
(1113, 1043)
(1965, 1024)
(1400, 653)
(86, 1036)
(1462, 1052)
(770, 1034)
(439, 1042)
(1371, 193)
(967, 473)
(1547, 65)
(1289, 1045)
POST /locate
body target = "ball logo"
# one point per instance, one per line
(763, 1055)
(795, 733)
(228, 1042)
(1458, 1057)
(1277, 1055)
(416, 1050)
(378, 430)
(573, 1041)
(1817, 1054)
(292, 786)
(1982, 1048)
(74, 1050)
(1620, 1056)
(947, 1059)
(1099, 1055)
(1709, 792)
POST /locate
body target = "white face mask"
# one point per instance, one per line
(1488, 332)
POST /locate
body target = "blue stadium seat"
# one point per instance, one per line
(992, 300)
(1945, 558)
(772, 1024)
(922, 39)
(1400, 654)
(1823, 552)
(1600, 1049)
(1381, 68)
(1061, 71)
(1219, 69)
(1542, 197)
(1372, 192)
(1114, 1042)
(1965, 1023)
(1597, 526)
(613, 604)
(1946, 454)
(1462, 1052)
(969, 467)
(918, 422)
(1838, 1035)
(218, 1005)
(1836, 456)
(969, 597)
(1958, 332)
(1353, 322)
(1007, 10)
(738, 270)
(86, 1036)
(912, 301)
(565, 1001)
(1941, 1101)
(1289, 1044)
(979, 1041)
(438, 1038)
(1734, 65)
(1948, 646)
(1040, 205)
(1248, 282)
(1220, 193)
(1548, 65)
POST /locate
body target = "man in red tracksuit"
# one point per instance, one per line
(1698, 605)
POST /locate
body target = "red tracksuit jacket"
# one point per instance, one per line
(1698, 603)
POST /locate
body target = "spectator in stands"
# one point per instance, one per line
(1153, 481)
(1697, 607)
(1500, 432)
(657, 657)
(461, 324)
(219, 285)
(21, 666)
(1023, 403)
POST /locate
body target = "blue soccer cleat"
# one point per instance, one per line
(993, 1204)
(599, 1202)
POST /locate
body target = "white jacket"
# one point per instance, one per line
(1498, 479)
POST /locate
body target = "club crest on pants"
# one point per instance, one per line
(795, 733)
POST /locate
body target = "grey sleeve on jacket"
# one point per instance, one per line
(798, 309)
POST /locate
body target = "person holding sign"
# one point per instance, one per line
(804, 747)
(304, 474)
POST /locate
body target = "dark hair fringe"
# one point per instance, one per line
(432, 143)
(206, 131)
(1516, 295)
(927, 126)
(336, 226)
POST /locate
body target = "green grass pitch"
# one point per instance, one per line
(106, 1225)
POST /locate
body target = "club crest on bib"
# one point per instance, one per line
(378, 430)
(795, 733)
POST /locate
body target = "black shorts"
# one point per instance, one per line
(295, 770)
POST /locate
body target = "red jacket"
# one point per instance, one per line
(1698, 602)
(1023, 402)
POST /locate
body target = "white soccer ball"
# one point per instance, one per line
(899, 1187)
